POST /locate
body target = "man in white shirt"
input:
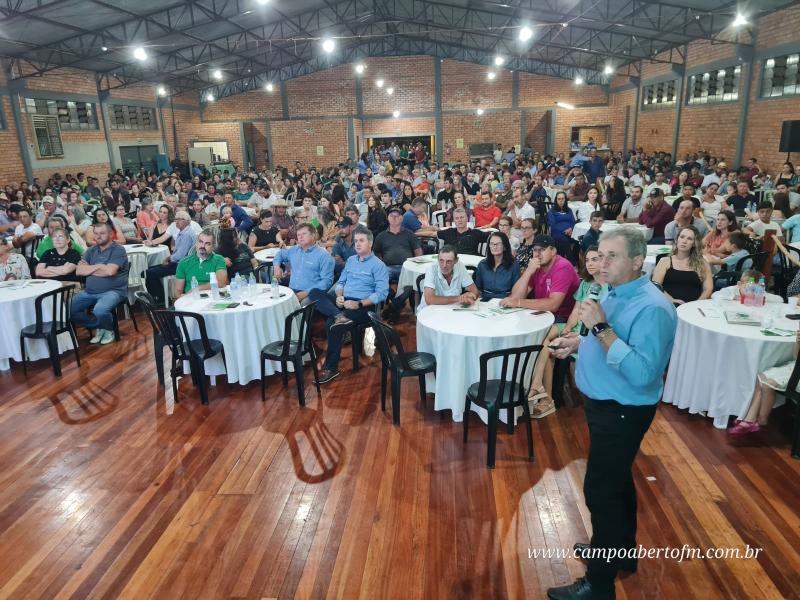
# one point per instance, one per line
(215, 206)
(25, 233)
(519, 208)
(758, 228)
(262, 198)
(641, 179)
(660, 184)
(448, 281)
(632, 207)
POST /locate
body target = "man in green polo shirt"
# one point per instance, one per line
(201, 265)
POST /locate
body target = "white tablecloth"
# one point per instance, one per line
(714, 364)
(457, 339)
(155, 254)
(414, 267)
(581, 228)
(18, 310)
(266, 255)
(243, 331)
(653, 250)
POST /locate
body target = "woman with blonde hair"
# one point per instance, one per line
(685, 275)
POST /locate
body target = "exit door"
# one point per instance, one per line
(136, 157)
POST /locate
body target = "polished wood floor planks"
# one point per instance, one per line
(111, 489)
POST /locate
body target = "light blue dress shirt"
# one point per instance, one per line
(312, 268)
(632, 370)
(183, 243)
(364, 278)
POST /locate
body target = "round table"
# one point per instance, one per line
(653, 251)
(414, 267)
(458, 338)
(155, 254)
(243, 331)
(266, 255)
(714, 364)
(19, 310)
(581, 228)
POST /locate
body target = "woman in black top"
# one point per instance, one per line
(61, 261)
(238, 256)
(685, 275)
(376, 216)
(265, 234)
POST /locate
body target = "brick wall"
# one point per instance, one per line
(298, 140)
(257, 105)
(541, 91)
(331, 92)
(256, 135)
(703, 52)
(493, 127)
(11, 168)
(710, 128)
(412, 79)
(537, 124)
(655, 130)
(465, 86)
(779, 27)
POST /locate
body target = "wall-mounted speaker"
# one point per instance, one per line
(790, 136)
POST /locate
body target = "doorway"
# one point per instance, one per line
(138, 157)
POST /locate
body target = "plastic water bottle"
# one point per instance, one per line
(252, 287)
(195, 288)
(236, 288)
(275, 290)
(214, 286)
(761, 292)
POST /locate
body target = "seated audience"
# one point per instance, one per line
(592, 237)
(183, 242)
(528, 230)
(498, 272)
(758, 228)
(377, 220)
(105, 267)
(243, 221)
(343, 246)
(504, 225)
(284, 222)
(54, 222)
(768, 382)
(12, 264)
(126, 225)
(486, 213)
(265, 234)
(561, 219)
(200, 266)
(656, 215)
(588, 206)
(709, 203)
(59, 261)
(160, 235)
(25, 233)
(551, 278)
(632, 207)
(735, 250)
(715, 242)
(684, 275)
(311, 266)
(687, 194)
(101, 215)
(363, 285)
(741, 201)
(519, 208)
(458, 202)
(394, 246)
(465, 239)
(238, 257)
(447, 281)
(684, 218)
(198, 214)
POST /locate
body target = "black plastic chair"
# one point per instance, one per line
(185, 348)
(292, 349)
(60, 301)
(758, 258)
(149, 304)
(724, 279)
(792, 395)
(263, 273)
(401, 364)
(508, 392)
(787, 271)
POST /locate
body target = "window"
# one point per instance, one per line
(131, 117)
(659, 95)
(47, 133)
(73, 116)
(714, 86)
(780, 76)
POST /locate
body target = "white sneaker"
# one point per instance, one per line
(108, 337)
(98, 335)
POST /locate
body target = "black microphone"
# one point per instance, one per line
(594, 294)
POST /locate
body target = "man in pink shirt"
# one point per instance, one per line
(550, 277)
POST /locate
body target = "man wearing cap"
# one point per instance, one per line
(393, 246)
(343, 245)
(284, 222)
(656, 215)
(49, 207)
(550, 277)
(715, 176)
(311, 265)
(184, 239)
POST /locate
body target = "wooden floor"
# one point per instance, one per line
(111, 490)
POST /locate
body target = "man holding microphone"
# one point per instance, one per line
(620, 368)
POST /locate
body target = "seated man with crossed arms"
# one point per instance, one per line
(448, 282)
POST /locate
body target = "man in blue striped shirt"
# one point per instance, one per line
(620, 368)
(364, 284)
(312, 266)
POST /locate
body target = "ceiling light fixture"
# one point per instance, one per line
(209, 97)
(491, 75)
(139, 53)
(161, 90)
(739, 20)
(360, 68)
(390, 91)
(216, 74)
(578, 80)
(479, 111)
(608, 70)
(328, 45)
(565, 105)
(270, 87)
(396, 114)
(262, 2)
(379, 83)
(104, 48)
(525, 33)
(499, 60)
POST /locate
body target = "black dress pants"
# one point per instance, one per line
(615, 433)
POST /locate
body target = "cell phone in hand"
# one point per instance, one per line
(539, 312)
(794, 317)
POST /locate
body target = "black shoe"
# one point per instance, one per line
(341, 325)
(327, 375)
(623, 564)
(580, 590)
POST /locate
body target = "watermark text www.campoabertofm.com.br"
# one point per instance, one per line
(676, 553)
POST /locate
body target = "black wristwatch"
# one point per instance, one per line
(360, 304)
(599, 328)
